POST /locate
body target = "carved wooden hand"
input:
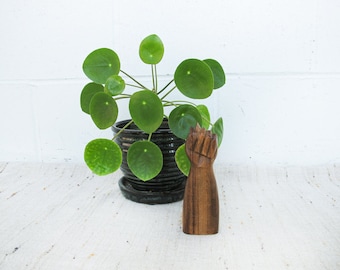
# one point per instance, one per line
(200, 203)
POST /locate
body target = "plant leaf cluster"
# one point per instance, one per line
(194, 78)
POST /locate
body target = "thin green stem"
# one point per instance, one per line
(122, 96)
(149, 137)
(165, 87)
(136, 86)
(172, 89)
(169, 103)
(175, 103)
(120, 131)
(141, 85)
(154, 78)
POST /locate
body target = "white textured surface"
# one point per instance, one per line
(62, 217)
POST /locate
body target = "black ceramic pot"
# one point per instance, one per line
(168, 186)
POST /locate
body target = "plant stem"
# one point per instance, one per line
(123, 128)
(141, 85)
(122, 96)
(132, 85)
(165, 87)
(175, 102)
(149, 138)
(154, 78)
(172, 89)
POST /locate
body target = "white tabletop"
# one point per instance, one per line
(61, 216)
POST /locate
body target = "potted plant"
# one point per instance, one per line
(148, 105)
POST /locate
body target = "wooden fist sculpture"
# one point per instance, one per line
(200, 203)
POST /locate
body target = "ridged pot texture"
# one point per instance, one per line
(170, 176)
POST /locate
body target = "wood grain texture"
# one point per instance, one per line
(60, 216)
(200, 202)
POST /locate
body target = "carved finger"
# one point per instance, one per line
(206, 145)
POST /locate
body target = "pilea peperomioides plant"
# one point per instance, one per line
(194, 78)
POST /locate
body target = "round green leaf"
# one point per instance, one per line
(182, 160)
(103, 110)
(182, 118)
(146, 110)
(114, 85)
(218, 130)
(194, 79)
(205, 115)
(151, 50)
(101, 64)
(145, 159)
(87, 93)
(103, 156)
(218, 72)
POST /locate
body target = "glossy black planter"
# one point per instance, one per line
(168, 186)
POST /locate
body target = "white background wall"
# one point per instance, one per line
(282, 60)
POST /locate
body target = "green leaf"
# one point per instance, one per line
(194, 79)
(218, 130)
(101, 64)
(218, 72)
(146, 110)
(87, 93)
(145, 159)
(182, 160)
(151, 50)
(205, 115)
(103, 110)
(114, 85)
(182, 118)
(103, 156)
